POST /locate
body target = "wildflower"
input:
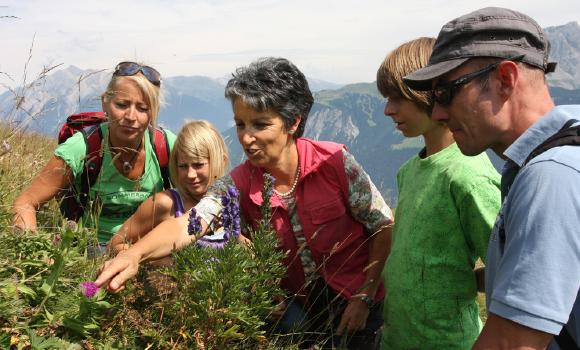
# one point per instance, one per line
(268, 188)
(232, 192)
(267, 191)
(71, 225)
(194, 224)
(89, 289)
(231, 213)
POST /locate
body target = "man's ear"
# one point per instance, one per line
(508, 75)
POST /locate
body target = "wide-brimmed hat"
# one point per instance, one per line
(488, 32)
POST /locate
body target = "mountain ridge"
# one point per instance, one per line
(350, 114)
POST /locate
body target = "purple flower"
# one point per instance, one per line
(231, 213)
(267, 191)
(194, 223)
(89, 289)
(269, 182)
(232, 192)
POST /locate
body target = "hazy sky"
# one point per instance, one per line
(341, 41)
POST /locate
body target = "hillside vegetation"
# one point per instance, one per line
(207, 299)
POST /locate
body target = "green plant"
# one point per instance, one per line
(207, 299)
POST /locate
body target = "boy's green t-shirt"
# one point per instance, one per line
(117, 197)
(447, 206)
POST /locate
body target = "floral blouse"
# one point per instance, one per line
(365, 203)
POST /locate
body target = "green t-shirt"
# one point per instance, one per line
(117, 196)
(447, 206)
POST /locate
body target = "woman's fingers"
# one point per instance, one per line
(353, 318)
(117, 271)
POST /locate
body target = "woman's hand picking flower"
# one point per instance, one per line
(117, 271)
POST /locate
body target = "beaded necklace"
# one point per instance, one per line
(292, 189)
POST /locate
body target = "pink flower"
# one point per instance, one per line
(89, 289)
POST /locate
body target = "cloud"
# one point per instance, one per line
(335, 40)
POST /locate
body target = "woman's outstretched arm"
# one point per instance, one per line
(169, 235)
(54, 177)
(150, 213)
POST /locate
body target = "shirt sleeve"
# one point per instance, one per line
(478, 201)
(367, 206)
(73, 152)
(538, 277)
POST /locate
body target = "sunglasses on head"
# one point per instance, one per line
(443, 93)
(124, 69)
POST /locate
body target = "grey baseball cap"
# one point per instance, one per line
(488, 32)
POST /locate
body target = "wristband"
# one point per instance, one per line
(369, 302)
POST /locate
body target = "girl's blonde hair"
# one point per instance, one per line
(199, 140)
(403, 60)
(151, 92)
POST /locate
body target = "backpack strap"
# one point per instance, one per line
(161, 148)
(93, 160)
(567, 135)
(565, 340)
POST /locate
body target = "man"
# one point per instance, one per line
(487, 76)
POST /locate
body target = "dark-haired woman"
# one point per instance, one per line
(130, 171)
(326, 211)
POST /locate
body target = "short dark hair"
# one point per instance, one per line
(275, 84)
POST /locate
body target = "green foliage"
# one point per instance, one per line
(39, 286)
(206, 299)
(226, 294)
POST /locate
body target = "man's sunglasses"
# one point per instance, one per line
(443, 93)
(124, 69)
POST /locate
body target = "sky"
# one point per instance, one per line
(341, 41)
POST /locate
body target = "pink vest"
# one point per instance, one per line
(337, 241)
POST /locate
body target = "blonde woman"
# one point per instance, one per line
(130, 172)
(198, 158)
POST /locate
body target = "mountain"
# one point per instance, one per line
(351, 114)
(45, 103)
(67, 91)
(565, 49)
(564, 96)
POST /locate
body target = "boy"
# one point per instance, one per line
(446, 209)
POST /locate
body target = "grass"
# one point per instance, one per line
(28, 153)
